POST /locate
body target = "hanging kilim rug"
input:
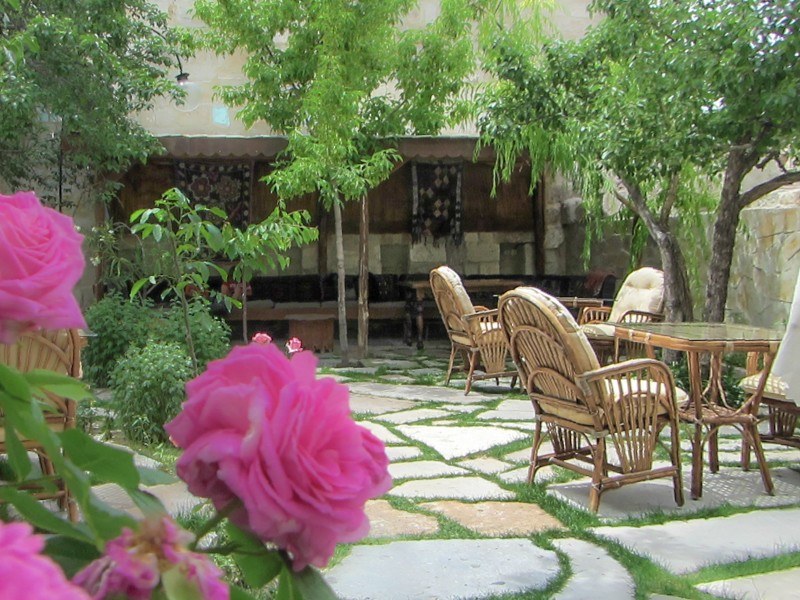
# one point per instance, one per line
(436, 213)
(226, 186)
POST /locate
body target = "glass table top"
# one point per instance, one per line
(706, 332)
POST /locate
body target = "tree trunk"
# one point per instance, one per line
(363, 280)
(343, 345)
(677, 294)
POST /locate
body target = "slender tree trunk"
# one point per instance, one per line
(343, 345)
(244, 310)
(363, 280)
(723, 240)
(677, 294)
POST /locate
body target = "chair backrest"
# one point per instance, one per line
(547, 345)
(451, 297)
(643, 289)
(57, 350)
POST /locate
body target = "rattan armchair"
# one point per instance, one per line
(473, 331)
(57, 351)
(640, 299)
(603, 422)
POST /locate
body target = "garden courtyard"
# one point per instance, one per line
(460, 521)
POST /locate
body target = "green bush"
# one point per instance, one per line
(115, 323)
(148, 384)
(211, 335)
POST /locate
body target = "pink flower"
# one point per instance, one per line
(260, 429)
(133, 563)
(40, 263)
(294, 345)
(25, 573)
(262, 338)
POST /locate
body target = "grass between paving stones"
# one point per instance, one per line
(745, 568)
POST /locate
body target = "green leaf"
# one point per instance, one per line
(286, 587)
(147, 502)
(178, 587)
(107, 522)
(13, 383)
(33, 511)
(137, 286)
(106, 463)
(70, 554)
(17, 454)
(259, 566)
(151, 476)
(238, 593)
(310, 584)
(60, 385)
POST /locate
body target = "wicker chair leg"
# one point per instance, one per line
(473, 361)
(745, 460)
(537, 442)
(713, 450)
(758, 449)
(597, 475)
(450, 366)
(697, 461)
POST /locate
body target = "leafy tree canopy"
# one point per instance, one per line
(76, 72)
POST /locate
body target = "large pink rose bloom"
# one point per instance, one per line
(40, 263)
(25, 573)
(260, 428)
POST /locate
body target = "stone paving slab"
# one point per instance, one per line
(778, 584)
(461, 488)
(459, 408)
(421, 469)
(454, 442)
(496, 518)
(174, 496)
(411, 416)
(524, 455)
(485, 464)
(729, 486)
(423, 371)
(509, 410)
(376, 405)
(521, 475)
(442, 569)
(386, 521)
(686, 546)
(382, 433)
(402, 452)
(423, 393)
(595, 574)
(398, 378)
(391, 363)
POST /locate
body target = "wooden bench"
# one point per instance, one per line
(314, 330)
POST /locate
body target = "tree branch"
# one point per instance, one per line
(762, 189)
(669, 201)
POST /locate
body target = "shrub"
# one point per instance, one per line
(211, 335)
(116, 323)
(148, 385)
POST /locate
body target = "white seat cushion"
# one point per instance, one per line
(775, 388)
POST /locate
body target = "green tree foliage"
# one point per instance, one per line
(655, 99)
(72, 77)
(341, 78)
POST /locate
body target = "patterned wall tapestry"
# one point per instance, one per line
(224, 185)
(436, 213)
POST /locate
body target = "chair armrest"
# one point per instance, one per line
(641, 316)
(648, 368)
(594, 314)
(481, 308)
(481, 322)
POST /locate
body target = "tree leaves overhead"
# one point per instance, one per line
(78, 71)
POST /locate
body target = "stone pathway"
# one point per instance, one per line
(458, 522)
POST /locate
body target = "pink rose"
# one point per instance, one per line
(25, 573)
(40, 263)
(294, 345)
(262, 338)
(133, 563)
(261, 429)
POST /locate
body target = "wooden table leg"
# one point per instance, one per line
(696, 391)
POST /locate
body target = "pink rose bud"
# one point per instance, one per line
(294, 345)
(42, 261)
(262, 338)
(260, 429)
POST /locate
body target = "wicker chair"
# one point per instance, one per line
(57, 351)
(473, 330)
(781, 389)
(640, 299)
(589, 410)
